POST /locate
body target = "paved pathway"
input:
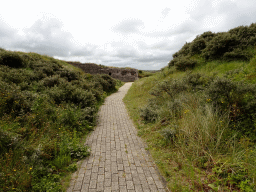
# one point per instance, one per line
(118, 160)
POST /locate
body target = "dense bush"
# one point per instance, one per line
(197, 46)
(183, 63)
(237, 54)
(245, 34)
(199, 124)
(149, 113)
(205, 124)
(11, 59)
(184, 51)
(220, 44)
(236, 44)
(200, 42)
(45, 108)
(69, 75)
(238, 100)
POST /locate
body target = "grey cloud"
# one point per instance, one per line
(45, 36)
(235, 15)
(187, 27)
(202, 9)
(5, 30)
(129, 26)
(7, 34)
(226, 7)
(165, 12)
(127, 53)
(86, 50)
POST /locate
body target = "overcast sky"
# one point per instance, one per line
(136, 33)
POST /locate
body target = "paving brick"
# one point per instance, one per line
(130, 185)
(118, 160)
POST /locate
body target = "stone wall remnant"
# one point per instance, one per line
(123, 74)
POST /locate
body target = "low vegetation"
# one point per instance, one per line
(143, 74)
(198, 115)
(46, 107)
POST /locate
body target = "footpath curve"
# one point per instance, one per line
(118, 160)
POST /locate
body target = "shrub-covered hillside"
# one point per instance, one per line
(236, 44)
(46, 107)
(198, 115)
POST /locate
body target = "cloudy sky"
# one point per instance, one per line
(136, 33)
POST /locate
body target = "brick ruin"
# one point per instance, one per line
(123, 74)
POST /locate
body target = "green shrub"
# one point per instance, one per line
(107, 83)
(70, 93)
(16, 76)
(171, 88)
(200, 42)
(184, 51)
(245, 34)
(149, 113)
(72, 167)
(169, 134)
(41, 108)
(239, 101)
(52, 81)
(183, 63)
(237, 54)
(69, 75)
(8, 140)
(11, 59)
(197, 46)
(49, 182)
(16, 103)
(219, 45)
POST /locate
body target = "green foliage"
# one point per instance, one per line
(149, 112)
(48, 182)
(206, 125)
(200, 42)
(184, 51)
(245, 34)
(200, 125)
(11, 59)
(143, 74)
(236, 44)
(46, 107)
(237, 99)
(169, 134)
(220, 44)
(183, 63)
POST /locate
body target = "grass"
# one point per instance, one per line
(197, 142)
(47, 109)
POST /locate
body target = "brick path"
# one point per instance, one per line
(118, 160)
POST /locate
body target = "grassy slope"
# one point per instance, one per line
(181, 173)
(47, 108)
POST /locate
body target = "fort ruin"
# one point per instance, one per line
(123, 74)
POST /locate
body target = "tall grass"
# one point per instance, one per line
(197, 139)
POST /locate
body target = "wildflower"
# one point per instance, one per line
(30, 168)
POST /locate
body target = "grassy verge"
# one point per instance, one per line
(200, 125)
(47, 108)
